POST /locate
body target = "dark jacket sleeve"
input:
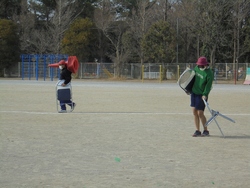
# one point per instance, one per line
(66, 75)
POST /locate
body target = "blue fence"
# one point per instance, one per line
(33, 66)
(36, 65)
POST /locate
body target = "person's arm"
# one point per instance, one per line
(67, 80)
(209, 84)
(67, 77)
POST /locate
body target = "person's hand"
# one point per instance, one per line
(63, 84)
(204, 97)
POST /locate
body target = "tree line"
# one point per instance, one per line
(126, 31)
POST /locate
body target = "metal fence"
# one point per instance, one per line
(92, 70)
(222, 71)
(36, 66)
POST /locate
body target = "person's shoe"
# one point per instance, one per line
(197, 133)
(205, 133)
(62, 111)
(73, 107)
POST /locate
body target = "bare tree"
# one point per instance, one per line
(141, 20)
(106, 19)
(184, 20)
(239, 12)
(45, 37)
(205, 25)
(63, 16)
(26, 22)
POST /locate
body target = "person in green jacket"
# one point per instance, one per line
(202, 86)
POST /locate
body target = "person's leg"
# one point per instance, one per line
(62, 104)
(196, 115)
(196, 119)
(203, 118)
(70, 103)
(196, 122)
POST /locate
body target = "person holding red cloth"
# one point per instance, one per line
(65, 78)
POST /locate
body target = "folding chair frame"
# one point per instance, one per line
(68, 91)
(214, 115)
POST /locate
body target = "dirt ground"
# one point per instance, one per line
(122, 134)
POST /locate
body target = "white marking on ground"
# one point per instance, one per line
(112, 113)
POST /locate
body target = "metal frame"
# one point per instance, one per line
(214, 115)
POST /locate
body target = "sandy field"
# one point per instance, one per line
(122, 134)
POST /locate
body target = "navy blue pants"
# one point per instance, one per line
(63, 104)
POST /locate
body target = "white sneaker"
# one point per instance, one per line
(62, 111)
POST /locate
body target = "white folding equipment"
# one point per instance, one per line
(63, 93)
(214, 115)
(186, 80)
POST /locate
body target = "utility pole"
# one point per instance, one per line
(177, 45)
(166, 10)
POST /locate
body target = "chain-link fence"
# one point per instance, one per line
(222, 71)
(96, 70)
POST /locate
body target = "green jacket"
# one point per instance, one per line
(203, 81)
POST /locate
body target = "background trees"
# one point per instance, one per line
(159, 43)
(131, 31)
(9, 44)
(79, 39)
